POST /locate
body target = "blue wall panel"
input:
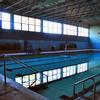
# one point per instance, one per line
(95, 37)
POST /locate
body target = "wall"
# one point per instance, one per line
(41, 40)
(95, 37)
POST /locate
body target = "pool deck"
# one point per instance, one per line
(15, 91)
(51, 52)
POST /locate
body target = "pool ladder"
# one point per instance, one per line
(84, 90)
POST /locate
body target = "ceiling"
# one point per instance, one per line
(85, 12)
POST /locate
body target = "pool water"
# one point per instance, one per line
(61, 72)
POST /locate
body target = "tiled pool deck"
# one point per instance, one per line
(15, 91)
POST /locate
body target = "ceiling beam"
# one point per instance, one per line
(8, 7)
(66, 4)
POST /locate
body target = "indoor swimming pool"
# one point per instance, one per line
(60, 72)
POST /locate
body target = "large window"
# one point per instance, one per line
(82, 31)
(6, 21)
(27, 24)
(51, 27)
(69, 29)
(17, 22)
(31, 24)
(34, 25)
(37, 25)
(24, 23)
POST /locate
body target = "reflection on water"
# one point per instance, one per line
(55, 74)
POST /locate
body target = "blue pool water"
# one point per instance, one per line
(55, 67)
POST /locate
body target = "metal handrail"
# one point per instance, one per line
(83, 83)
(26, 66)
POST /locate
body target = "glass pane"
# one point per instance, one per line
(37, 22)
(82, 31)
(5, 16)
(31, 21)
(17, 26)
(25, 27)
(5, 25)
(70, 29)
(31, 27)
(45, 29)
(59, 31)
(50, 24)
(50, 30)
(64, 32)
(17, 18)
(24, 20)
(45, 23)
(37, 29)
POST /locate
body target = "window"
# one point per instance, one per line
(51, 27)
(24, 23)
(37, 25)
(45, 26)
(82, 67)
(17, 22)
(6, 21)
(34, 25)
(82, 31)
(69, 29)
(31, 24)
(59, 28)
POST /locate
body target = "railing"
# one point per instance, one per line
(18, 61)
(28, 67)
(83, 86)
